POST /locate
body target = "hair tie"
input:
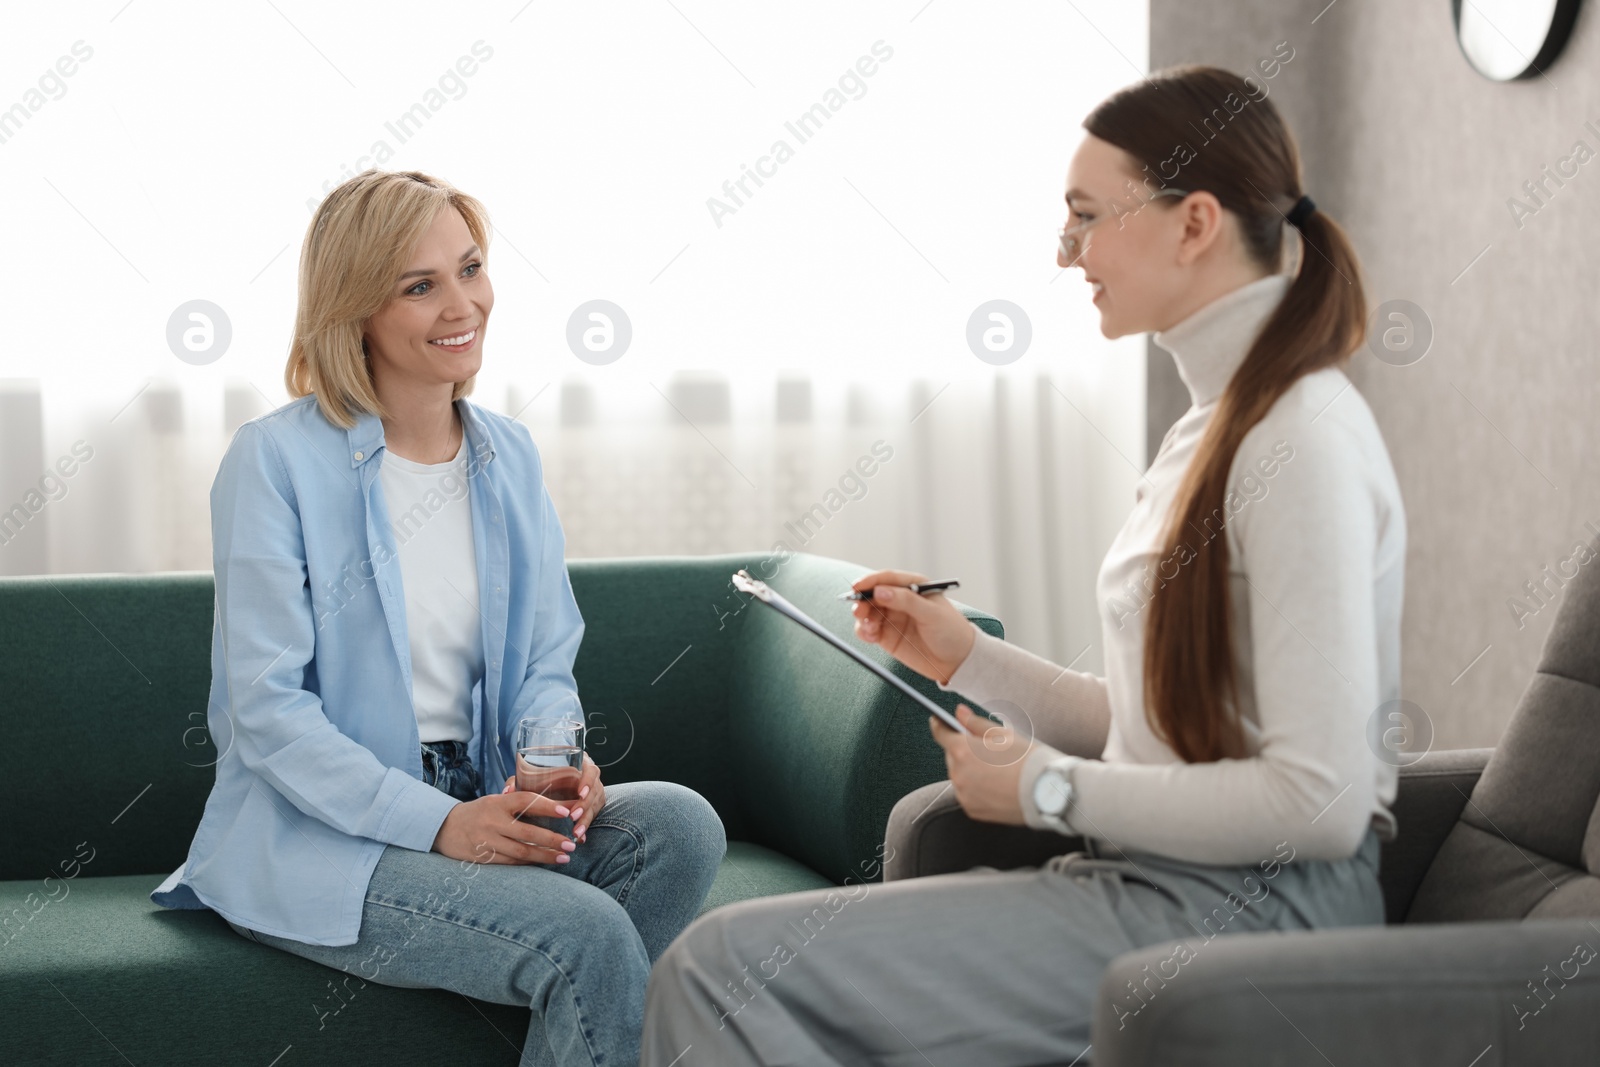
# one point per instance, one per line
(1301, 211)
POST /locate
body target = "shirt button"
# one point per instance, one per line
(358, 457)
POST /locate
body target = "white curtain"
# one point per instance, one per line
(774, 346)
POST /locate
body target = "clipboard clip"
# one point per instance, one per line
(755, 587)
(775, 600)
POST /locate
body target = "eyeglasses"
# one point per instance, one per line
(1071, 247)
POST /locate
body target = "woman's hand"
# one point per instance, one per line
(926, 633)
(985, 767)
(487, 830)
(587, 805)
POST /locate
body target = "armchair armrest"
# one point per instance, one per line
(1440, 993)
(929, 833)
(1433, 792)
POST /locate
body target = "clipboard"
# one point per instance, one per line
(759, 589)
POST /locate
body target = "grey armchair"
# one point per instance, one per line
(1490, 956)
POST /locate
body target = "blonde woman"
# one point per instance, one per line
(391, 599)
(1219, 773)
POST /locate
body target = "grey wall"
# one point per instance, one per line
(1492, 433)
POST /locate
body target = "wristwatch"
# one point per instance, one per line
(1053, 793)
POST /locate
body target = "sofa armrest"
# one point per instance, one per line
(1439, 993)
(820, 748)
(1432, 794)
(929, 833)
(685, 679)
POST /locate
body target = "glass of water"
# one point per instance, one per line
(550, 761)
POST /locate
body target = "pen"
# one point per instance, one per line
(915, 587)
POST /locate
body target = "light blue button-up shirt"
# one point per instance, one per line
(320, 761)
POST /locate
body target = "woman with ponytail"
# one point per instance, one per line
(1219, 778)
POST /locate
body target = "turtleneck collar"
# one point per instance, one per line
(1210, 344)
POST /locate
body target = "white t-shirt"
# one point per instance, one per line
(1316, 538)
(430, 510)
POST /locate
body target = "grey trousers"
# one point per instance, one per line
(990, 967)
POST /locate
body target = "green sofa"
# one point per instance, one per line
(105, 679)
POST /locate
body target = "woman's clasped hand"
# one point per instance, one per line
(491, 829)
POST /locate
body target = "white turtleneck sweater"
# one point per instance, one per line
(1316, 538)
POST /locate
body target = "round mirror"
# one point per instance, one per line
(1510, 39)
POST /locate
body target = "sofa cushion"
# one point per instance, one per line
(101, 973)
(105, 680)
(109, 674)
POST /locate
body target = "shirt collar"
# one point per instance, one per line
(1210, 344)
(366, 436)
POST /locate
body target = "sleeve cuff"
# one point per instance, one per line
(418, 812)
(1032, 764)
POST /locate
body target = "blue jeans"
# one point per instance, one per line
(574, 942)
(445, 766)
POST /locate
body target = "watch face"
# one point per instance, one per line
(1050, 793)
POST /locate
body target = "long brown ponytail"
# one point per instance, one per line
(1251, 164)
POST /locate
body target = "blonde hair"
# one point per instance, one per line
(358, 244)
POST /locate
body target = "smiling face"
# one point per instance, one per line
(444, 294)
(1122, 254)
(1147, 258)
